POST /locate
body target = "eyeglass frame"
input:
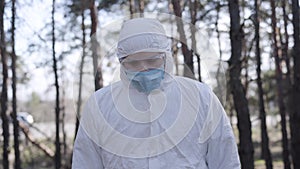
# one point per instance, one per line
(159, 56)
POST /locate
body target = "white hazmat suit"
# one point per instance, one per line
(180, 125)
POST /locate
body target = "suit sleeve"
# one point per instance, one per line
(222, 150)
(86, 154)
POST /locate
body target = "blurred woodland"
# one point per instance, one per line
(55, 53)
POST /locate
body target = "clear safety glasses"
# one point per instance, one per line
(143, 63)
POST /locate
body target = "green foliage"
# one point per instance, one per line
(34, 100)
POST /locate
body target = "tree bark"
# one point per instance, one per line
(4, 117)
(286, 59)
(174, 42)
(240, 102)
(188, 57)
(219, 76)
(285, 44)
(266, 154)
(95, 46)
(280, 96)
(284, 41)
(193, 13)
(14, 91)
(131, 8)
(295, 116)
(141, 7)
(57, 106)
(62, 119)
(79, 101)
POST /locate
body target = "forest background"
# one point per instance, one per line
(54, 54)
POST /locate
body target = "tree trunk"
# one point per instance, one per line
(79, 101)
(219, 76)
(95, 46)
(14, 91)
(295, 116)
(175, 56)
(286, 58)
(240, 102)
(188, 57)
(131, 8)
(279, 91)
(141, 7)
(286, 44)
(62, 120)
(193, 13)
(57, 107)
(217, 29)
(4, 117)
(174, 42)
(266, 154)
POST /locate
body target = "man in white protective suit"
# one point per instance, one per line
(152, 119)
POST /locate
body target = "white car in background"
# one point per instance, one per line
(22, 117)
(25, 117)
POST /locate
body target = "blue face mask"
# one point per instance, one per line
(146, 81)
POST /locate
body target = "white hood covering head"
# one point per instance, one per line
(144, 35)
